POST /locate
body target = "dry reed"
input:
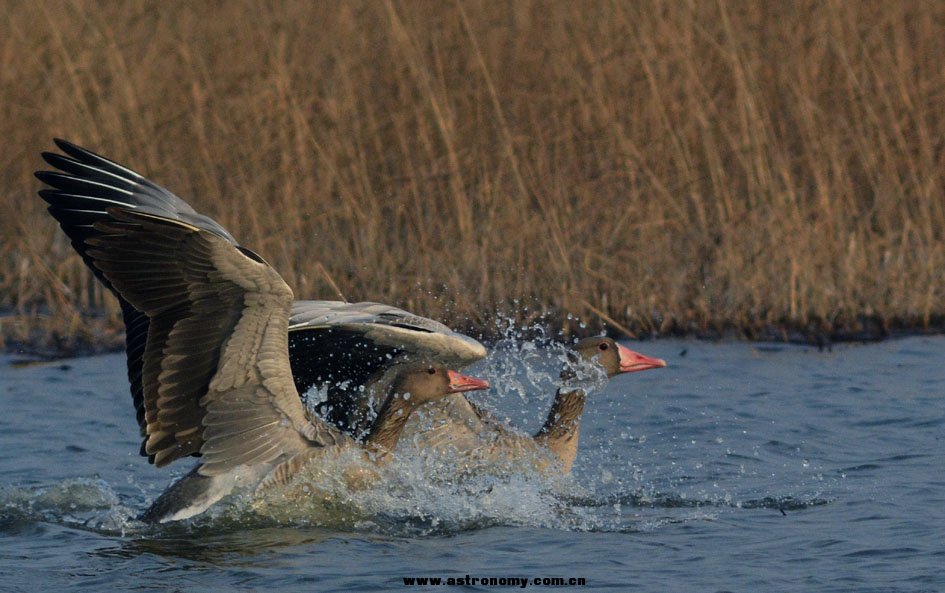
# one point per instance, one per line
(662, 166)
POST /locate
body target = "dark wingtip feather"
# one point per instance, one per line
(77, 152)
(87, 157)
(49, 155)
(41, 174)
(57, 160)
(68, 147)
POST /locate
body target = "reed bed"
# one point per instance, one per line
(768, 168)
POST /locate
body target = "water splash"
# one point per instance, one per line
(424, 495)
(78, 502)
(406, 503)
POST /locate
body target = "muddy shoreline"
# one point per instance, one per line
(100, 336)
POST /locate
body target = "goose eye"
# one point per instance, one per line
(431, 370)
(604, 346)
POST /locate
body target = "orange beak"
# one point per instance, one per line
(460, 383)
(631, 362)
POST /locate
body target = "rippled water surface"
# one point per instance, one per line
(739, 467)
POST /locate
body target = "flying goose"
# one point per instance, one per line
(331, 343)
(207, 334)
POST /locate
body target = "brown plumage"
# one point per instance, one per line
(207, 325)
(216, 377)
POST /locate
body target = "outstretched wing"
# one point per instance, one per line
(85, 186)
(88, 183)
(215, 372)
(338, 343)
(350, 347)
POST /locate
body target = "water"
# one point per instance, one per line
(739, 467)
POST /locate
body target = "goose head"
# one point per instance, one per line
(414, 384)
(420, 383)
(614, 358)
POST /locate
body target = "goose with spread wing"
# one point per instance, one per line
(207, 335)
(331, 343)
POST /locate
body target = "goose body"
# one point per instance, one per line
(207, 324)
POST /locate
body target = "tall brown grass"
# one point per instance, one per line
(661, 166)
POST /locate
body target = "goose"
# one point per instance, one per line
(480, 439)
(331, 343)
(477, 438)
(206, 336)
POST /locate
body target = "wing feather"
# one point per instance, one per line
(205, 318)
(83, 189)
(345, 346)
(215, 378)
